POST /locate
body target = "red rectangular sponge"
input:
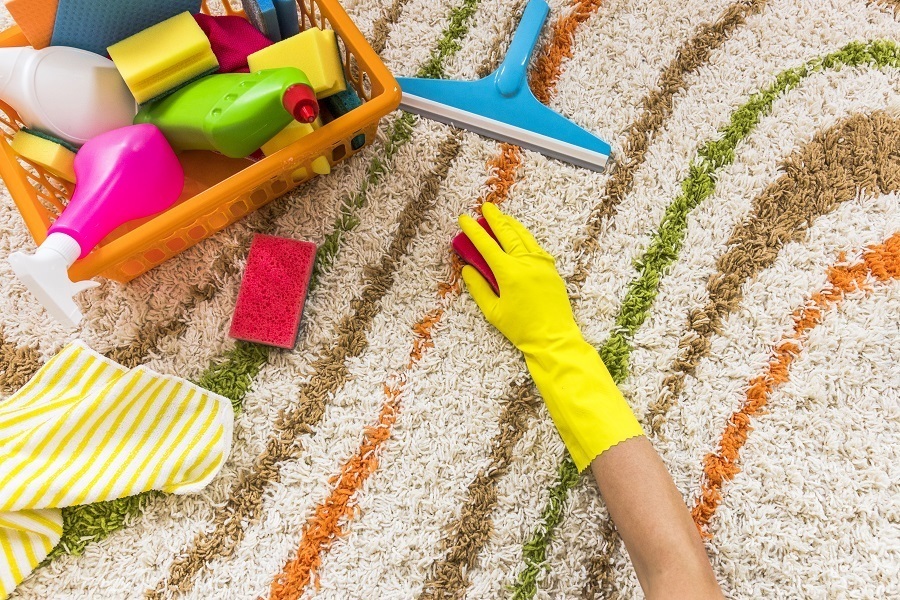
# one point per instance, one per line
(273, 291)
(470, 254)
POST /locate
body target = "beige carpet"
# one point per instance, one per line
(737, 266)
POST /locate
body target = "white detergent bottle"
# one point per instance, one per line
(68, 93)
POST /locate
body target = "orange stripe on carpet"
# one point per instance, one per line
(332, 515)
(548, 66)
(880, 263)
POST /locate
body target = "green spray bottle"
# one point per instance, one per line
(234, 114)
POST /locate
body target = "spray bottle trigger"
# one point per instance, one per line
(45, 275)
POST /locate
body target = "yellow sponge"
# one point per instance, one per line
(321, 166)
(289, 135)
(163, 57)
(56, 159)
(314, 52)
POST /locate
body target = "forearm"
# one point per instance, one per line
(593, 419)
(653, 521)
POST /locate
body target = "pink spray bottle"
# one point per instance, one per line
(123, 175)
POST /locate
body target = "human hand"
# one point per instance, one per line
(533, 309)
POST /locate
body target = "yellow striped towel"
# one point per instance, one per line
(86, 429)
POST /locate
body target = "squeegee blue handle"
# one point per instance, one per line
(501, 106)
(511, 75)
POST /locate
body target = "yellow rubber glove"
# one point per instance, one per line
(534, 313)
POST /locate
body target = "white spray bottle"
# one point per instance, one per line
(68, 93)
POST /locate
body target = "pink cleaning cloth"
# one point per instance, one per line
(470, 254)
(233, 39)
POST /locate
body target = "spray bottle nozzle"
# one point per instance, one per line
(45, 273)
(300, 100)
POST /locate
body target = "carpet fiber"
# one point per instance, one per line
(737, 266)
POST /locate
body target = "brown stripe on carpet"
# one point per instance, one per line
(382, 26)
(657, 108)
(225, 265)
(19, 363)
(858, 154)
(892, 5)
(472, 529)
(135, 352)
(329, 374)
(497, 53)
(332, 517)
(600, 583)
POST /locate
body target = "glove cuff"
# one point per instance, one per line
(588, 409)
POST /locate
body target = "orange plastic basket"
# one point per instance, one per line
(218, 190)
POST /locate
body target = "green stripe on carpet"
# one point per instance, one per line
(663, 252)
(233, 374)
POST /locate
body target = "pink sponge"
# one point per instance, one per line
(273, 292)
(470, 254)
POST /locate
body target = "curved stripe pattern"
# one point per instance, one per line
(376, 439)
(332, 516)
(664, 249)
(829, 171)
(19, 364)
(232, 374)
(880, 264)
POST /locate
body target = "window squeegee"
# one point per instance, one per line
(501, 106)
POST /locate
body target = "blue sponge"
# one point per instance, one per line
(342, 103)
(288, 19)
(264, 16)
(95, 25)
